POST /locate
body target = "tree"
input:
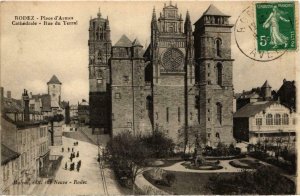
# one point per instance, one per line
(188, 137)
(159, 144)
(128, 155)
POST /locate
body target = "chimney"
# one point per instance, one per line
(26, 105)
(8, 94)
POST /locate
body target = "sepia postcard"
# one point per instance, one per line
(149, 97)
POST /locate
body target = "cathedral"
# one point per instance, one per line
(181, 82)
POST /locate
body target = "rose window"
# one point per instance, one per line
(172, 59)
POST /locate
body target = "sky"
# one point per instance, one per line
(30, 55)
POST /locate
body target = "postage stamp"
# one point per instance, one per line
(275, 24)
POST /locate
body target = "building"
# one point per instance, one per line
(262, 93)
(9, 168)
(182, 80)
(83, 112)
(21, 134)
(74, 114)
(265, 122)
(286, 94)
(54, 90)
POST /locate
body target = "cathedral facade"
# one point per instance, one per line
(181, 84)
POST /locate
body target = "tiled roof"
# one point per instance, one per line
(213, 11)
(252, 108)
(7, 154)
(11, 105)
(124, 41)
(54, 80)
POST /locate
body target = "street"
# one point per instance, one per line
(90, 179)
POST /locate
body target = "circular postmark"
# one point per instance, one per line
(246, 38)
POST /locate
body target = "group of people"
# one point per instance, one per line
(72, 156)
(72, 166)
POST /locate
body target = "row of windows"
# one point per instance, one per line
(277, 120)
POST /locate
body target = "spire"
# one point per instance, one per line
(154, 21)
(99, 13)
(187, 23)
(107, 24)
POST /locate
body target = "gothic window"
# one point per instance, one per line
(219, 112)
(172, 59)
(269, 119)
(97, 36)
(100, 74)
(277, 119)
(219, 74)
(99, 55)
(217, 135)
(285, 119)
(218, 46)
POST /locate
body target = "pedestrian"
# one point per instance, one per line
(71, 158)
(78, 166)
(62, 149)
(73, 154)
(66, 166)
(68, 149)
(72, 149)
(77, 154)
(72, 167)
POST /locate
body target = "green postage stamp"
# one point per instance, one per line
(276, 29)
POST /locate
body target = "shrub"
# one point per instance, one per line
(170, 178)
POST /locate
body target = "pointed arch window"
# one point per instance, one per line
(219, 72)
(218, 43)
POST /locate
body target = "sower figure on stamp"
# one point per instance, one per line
(277, 38)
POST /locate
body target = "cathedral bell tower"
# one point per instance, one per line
(214, 76)
(99, 53)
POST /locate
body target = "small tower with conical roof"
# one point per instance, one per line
(266, 91)
(54, 90)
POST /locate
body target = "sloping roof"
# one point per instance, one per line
(136, 43)
(213, 11)
(54, 80)
(252, 108)
(46, 103)
(11, 105)
(124, 41)
(266, 85)
(7, 154)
